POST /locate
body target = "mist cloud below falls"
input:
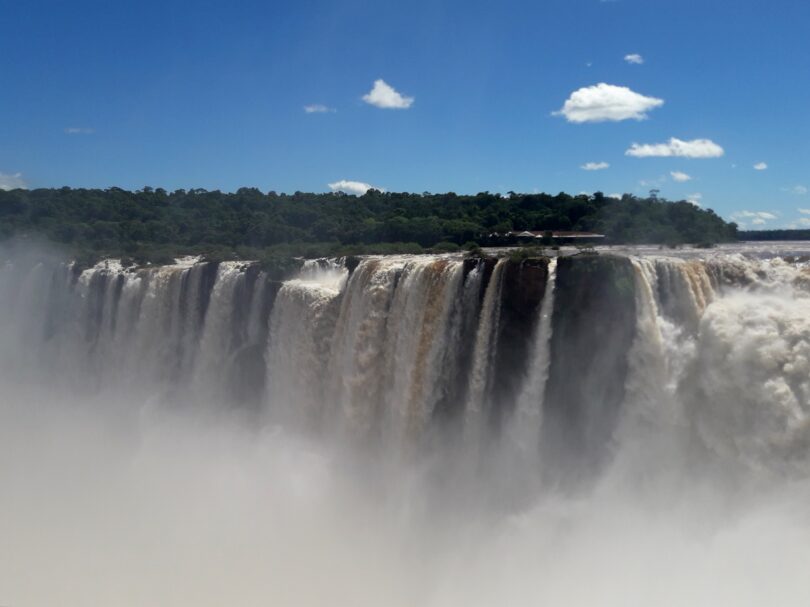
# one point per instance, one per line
(186, 510)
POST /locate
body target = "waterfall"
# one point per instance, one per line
(406, 429)
(647, 378)
(218, 338)
(357, 365)
(746, 389)
(480, 376)
(424, 311)
(301, 328)
(528, 416)
(563, 359)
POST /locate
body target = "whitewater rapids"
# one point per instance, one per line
(415, 430)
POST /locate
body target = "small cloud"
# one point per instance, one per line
(757, 217)
(589, 64)
(679, 176)
(352, 187)
(634, 58)
(761, 166)
(696, 148)
(798, 190)
(12, 182)
(594, 166)
(615, 195)
(695, 199)
(76, 130)
(318, 108)
(804, 211)
(653, 183)
(606, 102)
(383, 95)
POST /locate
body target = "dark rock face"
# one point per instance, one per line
(487, 265)
(594, 324)
(249, 375)
(351, 263)
(207, 280)
(524, 285)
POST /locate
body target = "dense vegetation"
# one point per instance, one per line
(775, 235)
(153, 223)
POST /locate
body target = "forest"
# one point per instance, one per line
(153, 224)
(775, 235)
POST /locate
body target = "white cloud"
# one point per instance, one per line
(78, 130)
(804, 211)
(352, 187)
(760, 166)
(754, 218)
(12, 182)
(654, 183)
(594, 166)
(615, 195)
(755, 214)
(696, 148)
(318, 108)
(801, 221)
(606, 102)
(798, 190)
(634, 58)
(679, 176)
(695, 198)
(384, 96)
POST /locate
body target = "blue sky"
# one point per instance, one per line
(213, 94)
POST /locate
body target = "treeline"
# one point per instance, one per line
(153, 222)
(775, 235)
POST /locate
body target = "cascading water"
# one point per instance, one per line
(525, 381)
(420, 334)
(529, 410)
(393, 345)
(301, 327)
(483, 356)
